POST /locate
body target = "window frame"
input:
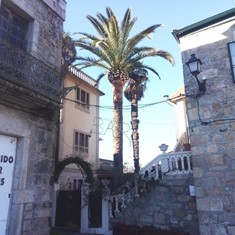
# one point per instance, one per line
(83, 98)
(17, 28)
(81, 144)
(232, 58)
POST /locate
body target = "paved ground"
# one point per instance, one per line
(71, 232)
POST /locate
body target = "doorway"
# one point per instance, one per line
(7, 162)
(68, 209)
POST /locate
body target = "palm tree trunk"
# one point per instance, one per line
(135, 134)
(118, 128)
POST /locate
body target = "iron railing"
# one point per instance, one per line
(26, 71)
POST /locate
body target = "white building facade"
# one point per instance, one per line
(79, 124)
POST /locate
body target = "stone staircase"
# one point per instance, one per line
(157, 170)
(158, 196)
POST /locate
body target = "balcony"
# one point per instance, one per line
(30, 77)
(168, 164)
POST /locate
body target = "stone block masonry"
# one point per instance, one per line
(31, 116)
(31, 196)
(166, 206)
(211, 119)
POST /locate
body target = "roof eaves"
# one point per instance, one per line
(84, 78)
(178, 33)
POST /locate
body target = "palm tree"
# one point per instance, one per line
(115, 52)
(134, 91)
(68, 53)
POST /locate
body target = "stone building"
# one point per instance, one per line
(31, 34)
(211, 117)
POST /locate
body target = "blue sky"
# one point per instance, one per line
(157, 123)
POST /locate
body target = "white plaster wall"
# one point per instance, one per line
(206, 36)
(75, 118)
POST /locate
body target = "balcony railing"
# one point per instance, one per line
(164, 164)
(26, 71)
(168, 163)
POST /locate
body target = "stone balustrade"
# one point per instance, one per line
(168, 163)
(163, 164)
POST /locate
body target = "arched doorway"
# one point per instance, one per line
(68, 199)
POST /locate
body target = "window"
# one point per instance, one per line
(231, 49)
(83, 98)
(13, 28)
(81, 144)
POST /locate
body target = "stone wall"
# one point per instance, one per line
(31, 196)
(212, 127)
(45, 29)
(33, 119)
(167, 206)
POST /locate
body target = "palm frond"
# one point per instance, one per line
(100, 77)
(91, 63)
(109, 12)
(68, 50)
(99, 27)
(102, 19)
(102, 54)
(132, 42)
(160, 53)
(87, 36)
(137, 50)
(152, 70)
(152, 53)
(126, 20)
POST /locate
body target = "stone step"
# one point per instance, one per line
(62, 231)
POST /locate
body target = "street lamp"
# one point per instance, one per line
(194, 65)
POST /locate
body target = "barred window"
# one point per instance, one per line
(81, 144)
(83, 98)
(13, 28)
(231, 49)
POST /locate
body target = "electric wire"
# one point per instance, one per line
(210, 121)
(141, 106)
(125, 107)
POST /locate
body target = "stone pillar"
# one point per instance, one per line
(84, 207)
(54, 202)
(105, 216)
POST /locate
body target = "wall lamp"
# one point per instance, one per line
(194, 65)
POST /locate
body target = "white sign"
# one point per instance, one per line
(192, 190)
(7, 161)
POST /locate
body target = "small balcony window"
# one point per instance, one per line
(83, 98)
(231, 49)
(13, 28)
(81, 144)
